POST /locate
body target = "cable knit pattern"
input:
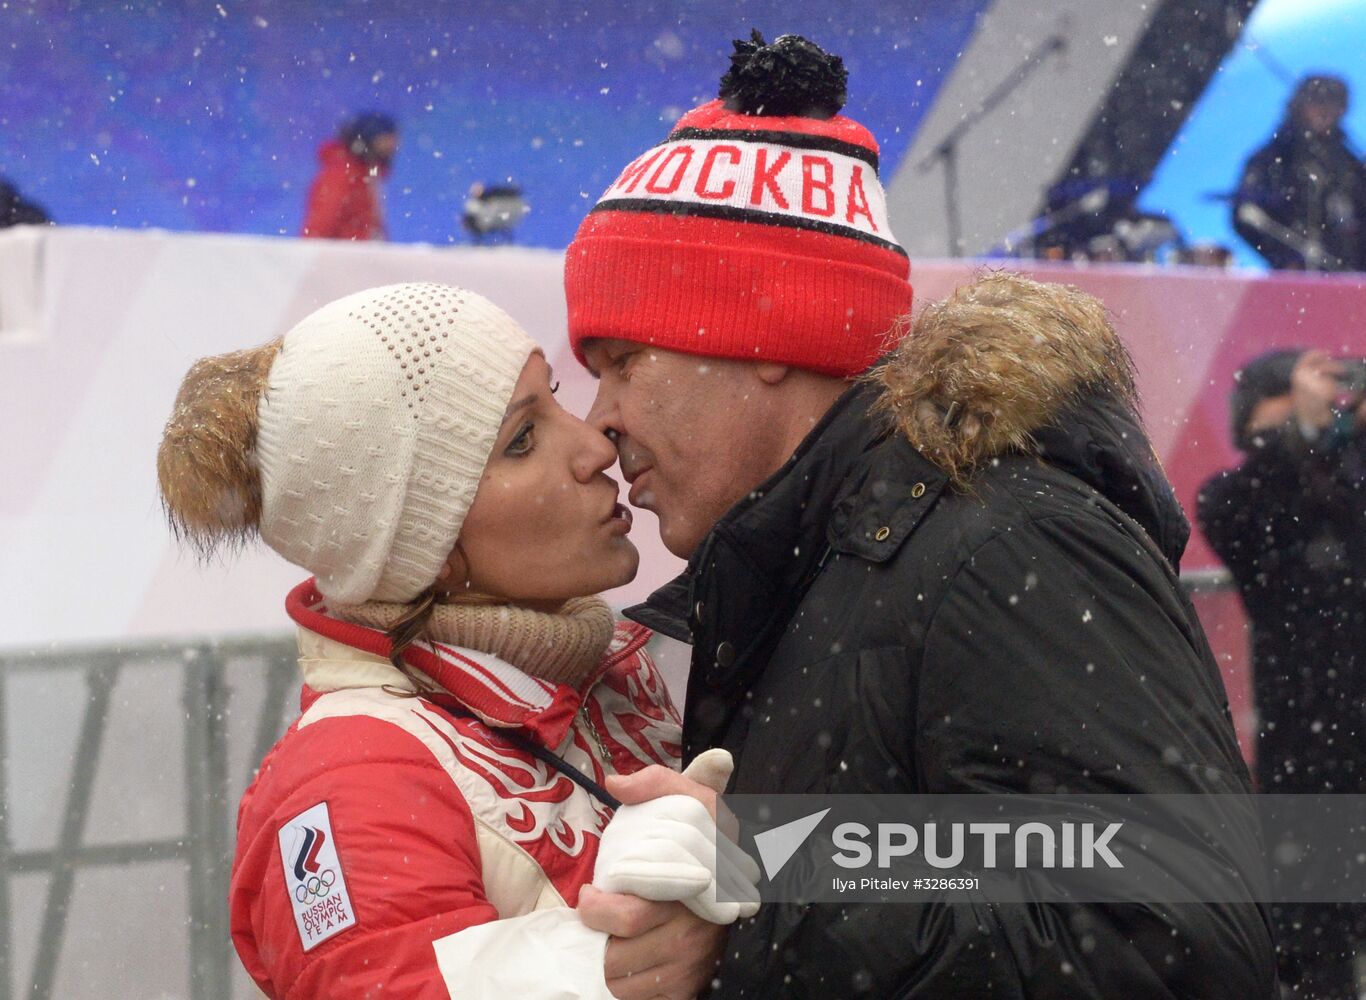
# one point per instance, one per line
(563, 648)
(378, 418)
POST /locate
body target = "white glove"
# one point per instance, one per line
(711, 768)
(738, 875)
(669, 849)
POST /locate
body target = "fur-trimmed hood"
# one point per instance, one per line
(1009, 365)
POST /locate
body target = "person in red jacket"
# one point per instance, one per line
(345, 201)
(429, 824)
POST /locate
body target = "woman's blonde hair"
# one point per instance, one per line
(206, 465)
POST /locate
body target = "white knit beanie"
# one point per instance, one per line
(377, 421)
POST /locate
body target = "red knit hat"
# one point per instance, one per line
(757, 230)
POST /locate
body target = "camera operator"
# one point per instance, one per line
(1290, 524)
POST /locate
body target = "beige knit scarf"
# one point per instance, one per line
(563, 647)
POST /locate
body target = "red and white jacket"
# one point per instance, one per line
(392, 847)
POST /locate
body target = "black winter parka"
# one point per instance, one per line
(862, 623)
(1290, 523)
(1315, 187)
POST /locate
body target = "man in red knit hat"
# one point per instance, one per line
(757, 232)
(887, 590)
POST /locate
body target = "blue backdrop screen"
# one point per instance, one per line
(208, 116)
(1282, 41)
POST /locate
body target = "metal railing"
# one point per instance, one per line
(1206, 581)
(202, 846)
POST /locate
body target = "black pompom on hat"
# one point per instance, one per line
(792, 76)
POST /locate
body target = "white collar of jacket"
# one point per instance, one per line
(335, 655)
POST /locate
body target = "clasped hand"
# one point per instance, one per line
(666, 881)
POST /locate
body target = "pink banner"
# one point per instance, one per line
(1189, 330)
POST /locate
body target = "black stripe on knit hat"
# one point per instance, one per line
(798, 140)
(732, 214)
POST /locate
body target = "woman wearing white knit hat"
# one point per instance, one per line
(426, 826)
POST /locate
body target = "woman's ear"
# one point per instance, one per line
(453, 574)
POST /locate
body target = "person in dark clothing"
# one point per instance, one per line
(954, 575)
(16, 210)
(1302, 199)
(345, 201)
(1290, 524)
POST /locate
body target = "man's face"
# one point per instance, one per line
(1322, 116)
(384, 148)
(690, 433)
(1269, 413)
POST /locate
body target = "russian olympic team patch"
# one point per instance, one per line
(313, 877)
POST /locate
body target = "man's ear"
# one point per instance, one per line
(771, 373)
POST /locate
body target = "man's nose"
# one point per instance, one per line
(603, 415)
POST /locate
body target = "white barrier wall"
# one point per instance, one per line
(97, 327)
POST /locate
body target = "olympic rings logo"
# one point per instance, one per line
(316, 887)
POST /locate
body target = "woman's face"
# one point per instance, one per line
(545, 525)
